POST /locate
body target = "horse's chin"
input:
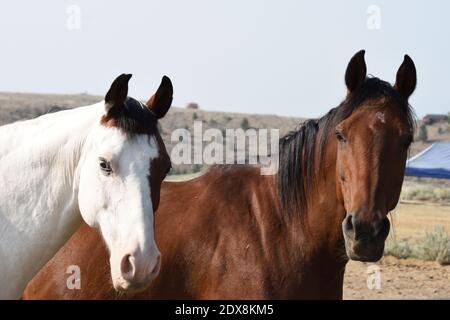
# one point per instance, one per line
(371, 258)
(363, 253)
(131, 288)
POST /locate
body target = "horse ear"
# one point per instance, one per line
(356, 71)
(406, 79)
(118, 92)
(161, 101)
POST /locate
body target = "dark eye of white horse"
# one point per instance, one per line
(105, 166)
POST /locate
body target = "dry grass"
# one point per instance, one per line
(411, 221)
(420, 231)
(426, 192)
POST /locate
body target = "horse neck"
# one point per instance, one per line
(310, 244)
(38, 202)
(325, 210)
(316, 235)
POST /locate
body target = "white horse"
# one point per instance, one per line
(102, 163)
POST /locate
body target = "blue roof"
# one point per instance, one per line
(433, 162)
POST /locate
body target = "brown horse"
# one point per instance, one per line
(235, 234)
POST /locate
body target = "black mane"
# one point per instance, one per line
(297, 149)
(133, 118)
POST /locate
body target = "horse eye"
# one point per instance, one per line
(105, 167)
(340, 136)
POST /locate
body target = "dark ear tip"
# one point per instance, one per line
(118, 91)
(408, 62)
(408, 59)
(360, 54)
(406, 78)
(166, 82)
(359, 57)
(124, 76)
(166, 79)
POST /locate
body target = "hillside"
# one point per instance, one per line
(19, 106)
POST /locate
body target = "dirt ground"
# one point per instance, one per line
(404, 278)
(400, 279)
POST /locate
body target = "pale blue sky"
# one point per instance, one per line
(285, 57)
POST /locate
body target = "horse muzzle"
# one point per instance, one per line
(364, 240)
(136, 272)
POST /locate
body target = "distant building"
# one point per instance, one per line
(192, 106)
(434, 118)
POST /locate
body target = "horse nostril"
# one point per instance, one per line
(381, 227)
(349, 222)
(127, 267)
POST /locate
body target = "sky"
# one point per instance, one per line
(285, 57)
